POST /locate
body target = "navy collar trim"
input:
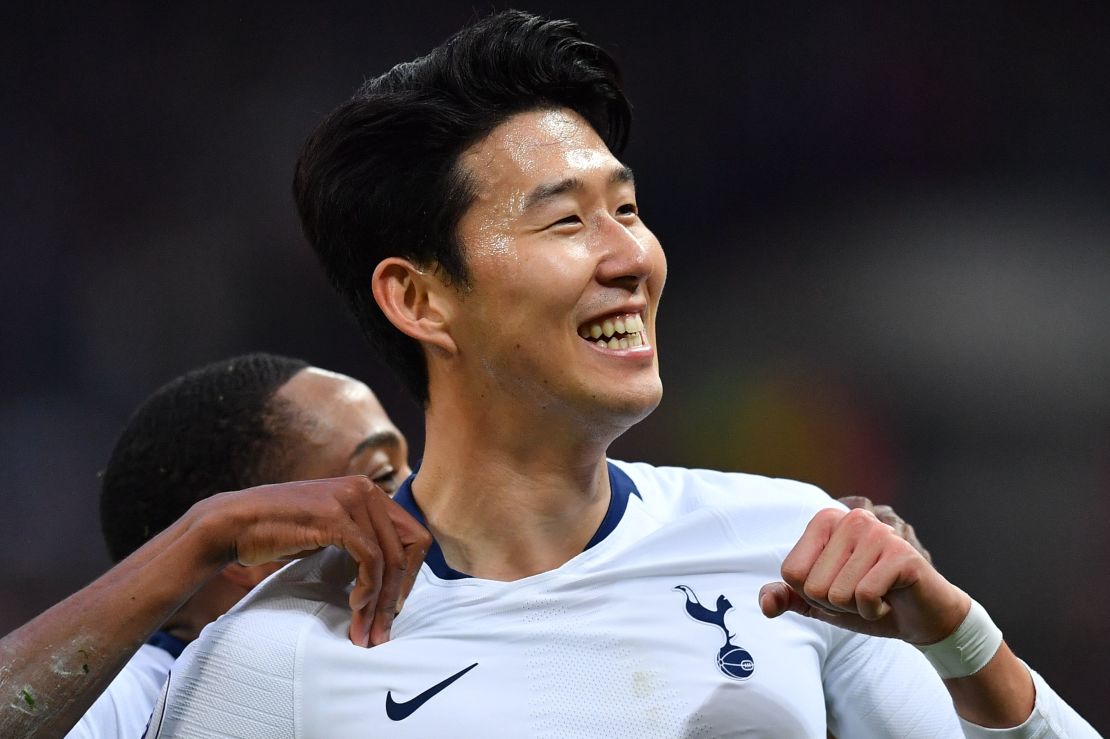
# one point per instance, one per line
(167, 643)
(620, 484)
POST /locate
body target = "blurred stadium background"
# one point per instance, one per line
(887, 225)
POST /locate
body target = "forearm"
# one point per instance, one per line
(1000, 695)
(1005, 698)
(1050, 715)
(55, 666)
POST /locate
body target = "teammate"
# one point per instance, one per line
(470, 207)
(239, 423)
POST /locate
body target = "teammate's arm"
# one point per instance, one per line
(56, 665)
(853, 571)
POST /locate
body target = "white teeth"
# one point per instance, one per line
(632, 325)
(631, 341)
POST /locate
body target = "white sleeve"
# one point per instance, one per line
(1052, 717)
(236, 680)
(122, 710)
(877, 687)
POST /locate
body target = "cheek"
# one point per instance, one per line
(534, 279)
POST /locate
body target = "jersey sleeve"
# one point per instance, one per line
(876, 687)
(123, 708)
(102, 720)
(1052, 717)
(235, 681)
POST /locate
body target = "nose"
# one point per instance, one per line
(627, 257)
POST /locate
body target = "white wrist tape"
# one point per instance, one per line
(968, 649)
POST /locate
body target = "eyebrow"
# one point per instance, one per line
(542, 193)
(385, 438)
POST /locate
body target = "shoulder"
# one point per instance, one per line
(776, 508)
(274, 613)
(686, 488)
(248, 655)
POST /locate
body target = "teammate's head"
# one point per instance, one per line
(237, 423)
(380, 176)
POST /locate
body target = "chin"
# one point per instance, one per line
(627, 409)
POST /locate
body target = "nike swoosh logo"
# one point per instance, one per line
(400, 711)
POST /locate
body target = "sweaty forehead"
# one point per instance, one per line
(535, 146)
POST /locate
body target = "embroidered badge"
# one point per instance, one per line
(735, 662)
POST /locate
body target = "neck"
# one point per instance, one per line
(186, 625)
(510, 494)
(214, 599)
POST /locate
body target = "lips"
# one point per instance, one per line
(618, 331)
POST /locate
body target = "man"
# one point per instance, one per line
(239, 423)
(477, 193)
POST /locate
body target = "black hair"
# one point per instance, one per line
(379, 177)
(215, 429)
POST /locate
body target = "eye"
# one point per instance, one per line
(387, 480)
(568, 221)
(628, 209)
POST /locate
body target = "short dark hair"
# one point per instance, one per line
(379, 177)
(215, 429)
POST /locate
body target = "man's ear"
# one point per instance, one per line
(415, 301)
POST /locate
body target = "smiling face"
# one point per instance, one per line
(339, 428)
(565, 278)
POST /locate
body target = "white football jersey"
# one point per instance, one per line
(654, 630)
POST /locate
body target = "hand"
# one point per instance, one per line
(887, 515)
(854, 571)
(289, 520)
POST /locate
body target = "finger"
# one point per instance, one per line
(877, 585)
(887, 515)
(777, 598)
(416, 541)
(858, 501)
(359, 631)
(368, 557)
(393, 568)
(364, 595)
(852, 530)
(844, 591)
(800, 560)
(774, 599)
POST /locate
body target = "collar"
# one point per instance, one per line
(620, 485)
(167, 643)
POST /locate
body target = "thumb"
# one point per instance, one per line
(776, 598)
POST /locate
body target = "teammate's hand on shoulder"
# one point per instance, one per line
(887, 515)
(854, 571)
(289, 520)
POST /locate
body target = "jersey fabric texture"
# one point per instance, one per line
(653, 630)
(123, 709)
